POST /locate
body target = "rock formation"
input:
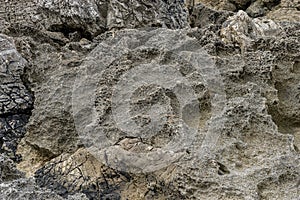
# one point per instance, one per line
(163, 99)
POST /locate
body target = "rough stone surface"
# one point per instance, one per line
(256, 9)
(202, 16)
(287, 11)
(82, 172)
(135, 14)
(8, 169)
(14, 185)
(15, 99)
(76, 18)
(27, 189)
(14, 95)
(254, 47)
(56, 16)
(241, 29)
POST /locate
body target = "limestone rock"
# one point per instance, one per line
(99, 123)
(217, 4)
(240, 3)
(56, 16)
(287, 11)
(256, 9)
(13, 94)
(81, 172)
(141, 13)
(13, 184)
(15, 99)
(241, 29)
(242, 148)
(87, 19)
(27, 189)
(51, 129)
(202, 16)
(8, 169)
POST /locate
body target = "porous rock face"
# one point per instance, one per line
(244, 72)
(282, 10)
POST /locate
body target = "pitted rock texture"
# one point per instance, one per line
(256, 52)
(38, 142)
(242, 29)
(161, 66)
(56, 16)
(287, 11)
(77, 19)
(161, 13)
(279, 10)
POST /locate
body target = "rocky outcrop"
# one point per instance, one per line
(27, 189)
(240, 29)
(61, 21)
(288, 11)
(136, 14)
(279, 10)
(81, 172)
(202, 16)
(13, 184)
(149, 99)
(15, 99)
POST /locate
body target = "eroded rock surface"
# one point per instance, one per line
(15, 99)
(279, 10)
(135, 14)
(242, 29)
(247, 91)
(27, 189)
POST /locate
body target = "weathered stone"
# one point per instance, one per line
(256, 9)
(15, 99)
(51, 117)
(56, 16)
(81, 172)
(12, 130)
(241, 4)
(288, 10)
(27, 189)
(141, 13)
(202, 16)
(217, 4)
(246, 145)
(87, 19)
(8, 171)
(241, 29)
(14, 96)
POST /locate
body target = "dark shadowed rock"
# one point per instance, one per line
(15, 99)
